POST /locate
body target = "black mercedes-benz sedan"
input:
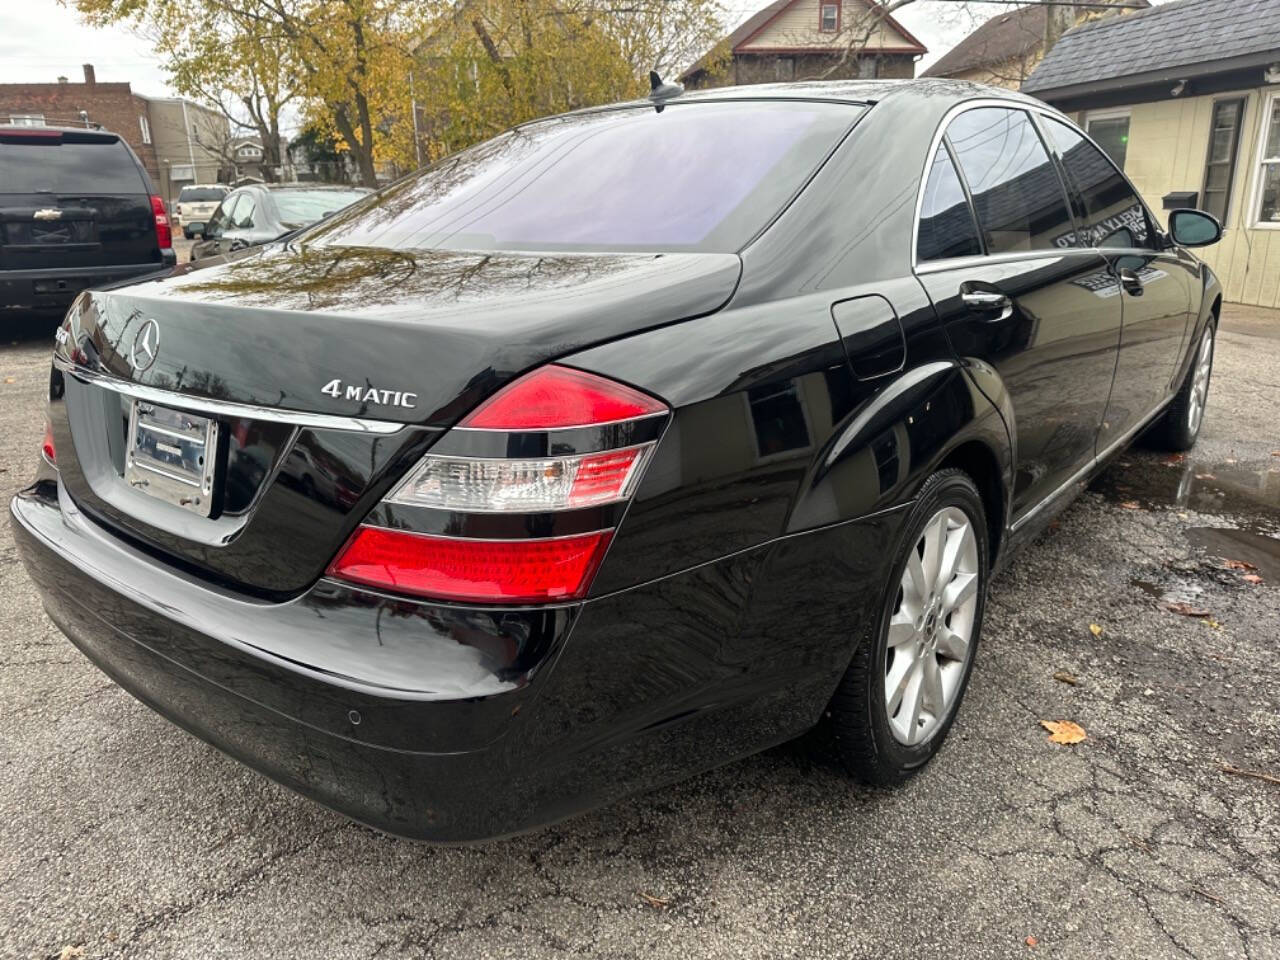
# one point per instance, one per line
(619, 446)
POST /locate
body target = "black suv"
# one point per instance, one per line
(76, 210)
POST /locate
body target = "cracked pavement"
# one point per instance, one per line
(124, 836)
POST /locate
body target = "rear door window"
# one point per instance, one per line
(1016, 189)
(697, 176)
(47, 165)
(200, 195)
(1113, 215)
(946, 219)
(245, 210)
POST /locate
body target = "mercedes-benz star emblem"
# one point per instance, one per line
(145, 346)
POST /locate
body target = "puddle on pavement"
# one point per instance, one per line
(1247, 496)
(1179, 592)
(1261, 551)
(1248, 493)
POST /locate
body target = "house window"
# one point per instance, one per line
(27, 119)
(146, 129)
(830, 22)
(1219, 168)
(1111, 131)
(1268, 191)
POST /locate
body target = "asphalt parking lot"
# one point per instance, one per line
(120, 835)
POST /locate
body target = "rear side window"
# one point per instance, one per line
(946, 221)
(1113, 216)
(300, 207)
(200, 195)
(698, 176)
(35, 166)
(1016, 189)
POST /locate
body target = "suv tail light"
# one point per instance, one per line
(589, 440)
(164, 236)
(47, 449)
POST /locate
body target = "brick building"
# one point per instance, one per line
(179, 142)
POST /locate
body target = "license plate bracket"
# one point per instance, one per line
(171, 455)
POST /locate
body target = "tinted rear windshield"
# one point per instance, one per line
(201, 195)
(300, 207)
(40, 166)
(699, 176)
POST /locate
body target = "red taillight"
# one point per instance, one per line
(47, 449)
(504, 571)
(555, 397)
(558, 484)
(164, 236)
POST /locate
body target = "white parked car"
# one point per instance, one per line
(195, 206)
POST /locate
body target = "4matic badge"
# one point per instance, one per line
(367, 394)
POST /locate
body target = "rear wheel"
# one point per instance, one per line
(900, 694)
(1179, 428)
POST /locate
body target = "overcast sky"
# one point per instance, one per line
(41, 39)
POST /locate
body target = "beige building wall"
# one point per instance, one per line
(1167, 149)
(798, 26)
(190, 141)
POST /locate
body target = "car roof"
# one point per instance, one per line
(303, 185)
(860, 91)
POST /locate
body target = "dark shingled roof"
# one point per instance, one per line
(1185, 34)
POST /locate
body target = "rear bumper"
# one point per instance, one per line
(55, 288)
(459, 724)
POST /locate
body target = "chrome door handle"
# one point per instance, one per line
(988, 302)
(1131, 282)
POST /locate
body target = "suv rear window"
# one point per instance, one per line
(47, 165)
(201, 195)
(699, 176)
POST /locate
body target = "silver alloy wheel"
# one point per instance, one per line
(931, 629)
(1200, 383)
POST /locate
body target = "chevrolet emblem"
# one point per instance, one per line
(47, 214)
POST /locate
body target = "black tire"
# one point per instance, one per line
(857, 716)
(187, 234)
(1177, 430)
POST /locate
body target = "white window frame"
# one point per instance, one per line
(26, 119)
(822, 9)
(1261, 161)
(145, 127)
(1116, 113)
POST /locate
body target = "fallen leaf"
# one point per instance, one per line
(1131, 505)
(1238, 565)
(1187, 610)
(1070, 679)
(8, 379)
(1095, 629)
(1032, 942)
(1252, 578)
(1063, 731)
(71, 953)
(1174, 459)
(658, 903)
(1274, 453)
(1214, 624)
(1205, 476)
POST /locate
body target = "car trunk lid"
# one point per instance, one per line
(326, 372)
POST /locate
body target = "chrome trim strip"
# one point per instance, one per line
(1093, 464)
(226, 408)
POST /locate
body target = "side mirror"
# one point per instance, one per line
(1194, 228)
